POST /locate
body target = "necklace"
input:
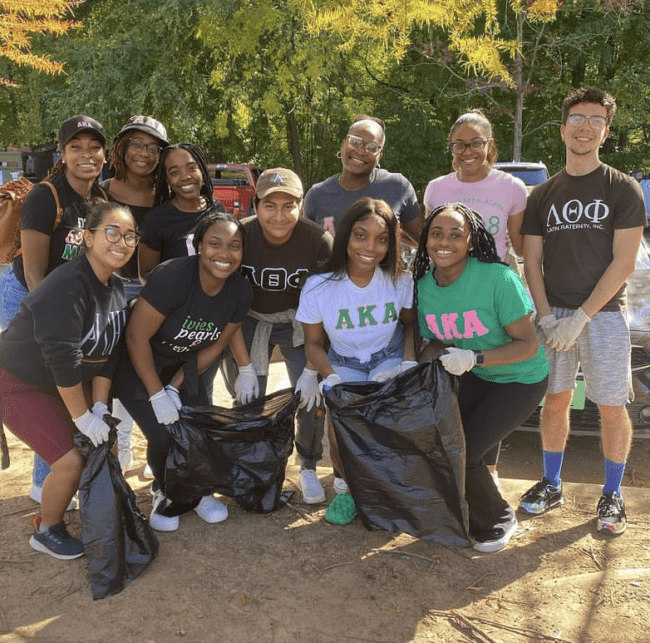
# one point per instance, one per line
(371, 179)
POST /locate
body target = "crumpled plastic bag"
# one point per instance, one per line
(117, 538)
(241, 453)
(403, 451)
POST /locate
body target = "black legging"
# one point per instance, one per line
(131, 394)
(490, 412)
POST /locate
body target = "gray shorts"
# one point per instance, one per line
(603, 351)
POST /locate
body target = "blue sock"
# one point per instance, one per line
(613, 476)
(553, 466)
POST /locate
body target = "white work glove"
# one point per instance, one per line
(247, 386)
(164, 407)
(547, 324)
(307, 386)
(563, 336)
(100, 410)
(458, 360)
(172, 391)
(329, 382)
(393, 371)
(92, 427)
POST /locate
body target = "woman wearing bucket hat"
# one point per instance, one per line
(51, 231)
(133, 159)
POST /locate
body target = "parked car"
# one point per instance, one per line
(584, 413)
(531, 174)
(234, 185)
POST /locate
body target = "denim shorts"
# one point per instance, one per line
(12, 292)
(393, 351)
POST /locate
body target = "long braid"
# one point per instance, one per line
(481, 241)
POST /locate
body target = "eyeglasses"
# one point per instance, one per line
(138, 144)
(597, 122)
(113, 235)
(458, 147)
(358, 144)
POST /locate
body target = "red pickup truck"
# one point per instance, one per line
(234, 185)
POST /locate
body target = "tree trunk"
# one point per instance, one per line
(519, 88)
(294, 144)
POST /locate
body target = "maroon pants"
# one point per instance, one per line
(37, 417)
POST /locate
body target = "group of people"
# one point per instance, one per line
(319, 275)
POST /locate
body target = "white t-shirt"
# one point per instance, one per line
(498, 196)
(358, 321)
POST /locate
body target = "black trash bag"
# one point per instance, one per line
(241, 453)
(117, 538)
(403, 452)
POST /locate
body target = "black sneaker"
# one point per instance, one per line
(56, 541)
(541, 497)
(611, 514)
(496, 539)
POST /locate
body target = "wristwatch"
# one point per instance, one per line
(480, 358)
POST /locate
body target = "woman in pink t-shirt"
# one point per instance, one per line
(497, 196)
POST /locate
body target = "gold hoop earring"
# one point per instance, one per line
(339, 156)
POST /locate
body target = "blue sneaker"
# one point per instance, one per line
(541, 497)
(56, 541)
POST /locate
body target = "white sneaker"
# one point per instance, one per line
(211, 510)
(312, 491)
(158, 521)
(340, 485)
(125, 456)
(36, 494)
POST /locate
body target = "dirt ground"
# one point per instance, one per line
(291, 577)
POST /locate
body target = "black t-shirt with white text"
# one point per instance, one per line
(193, 319)
(39, 213)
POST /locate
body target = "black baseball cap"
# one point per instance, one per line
(147, 125)
(78, 124)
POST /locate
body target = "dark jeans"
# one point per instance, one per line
(490, 411)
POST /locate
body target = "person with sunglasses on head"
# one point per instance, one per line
(497, 196)
(133, 159)
(57, 360)
(582, 230)
(51, 232)
(361, 176)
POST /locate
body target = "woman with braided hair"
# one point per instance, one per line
(183, 195)
(478, 307)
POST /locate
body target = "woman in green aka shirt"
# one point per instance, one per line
(478, 307)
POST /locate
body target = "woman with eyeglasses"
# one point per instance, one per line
(133, 159)
(51, 230)
(361, 176)
(497, 196)
(185, 316)
(57, 359)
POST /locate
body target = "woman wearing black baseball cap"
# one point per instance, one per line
(133, 159)
(51, 231)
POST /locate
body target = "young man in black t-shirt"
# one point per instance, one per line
(582, 232)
